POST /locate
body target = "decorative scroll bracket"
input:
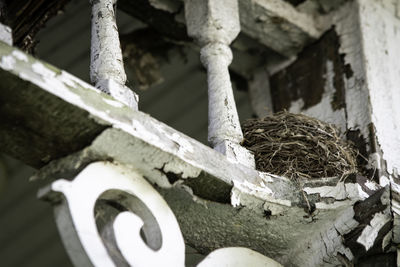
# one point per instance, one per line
(107, 68)
(139, 207)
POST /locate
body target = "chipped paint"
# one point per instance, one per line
(341, 191)
(43, 71)
(384, 181)
(374, 161)
(380, 35)
(183, 145)
(74, 82)
(19, 55)
(356, 97)
(266, 176)
(107, 71)
(8, 62)
(260, 192)
(345, 226)
(371, 185)
(369, 234)
(254, 189)
(334, 205)
(6, 34)
(214, 24)
(113, 103)
(159, 150)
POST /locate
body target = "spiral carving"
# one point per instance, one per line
(110, 215)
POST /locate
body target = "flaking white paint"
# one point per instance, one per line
(8, 62)
(113, 103)
(356, 96)
(369, 234)
(371, 185)
(19, 55)
(384, 181)
(380, 33)
(334, 205)
(339, 192)
(42, 70)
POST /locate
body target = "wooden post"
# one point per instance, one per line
(107, 68)
(214, 24)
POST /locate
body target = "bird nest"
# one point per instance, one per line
(295, 145)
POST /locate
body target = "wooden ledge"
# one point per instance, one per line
(50, 116)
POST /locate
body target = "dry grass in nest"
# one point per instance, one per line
(295, 145)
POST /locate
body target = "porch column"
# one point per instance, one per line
(214, 24)
(106, 65)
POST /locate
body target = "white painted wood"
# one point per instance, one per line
(237, 257)
(172, 160)
(369, 234)
(369, 35)
(106, 55)
(107, 71)
(6, 34)
(380, 37)
(81, 195)
(279, 25)
(214, 24)
(75, 202)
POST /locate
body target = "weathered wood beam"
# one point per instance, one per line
(349, 77)
(278, 25)
(214, 199)
(31, 121)
(275, 24)
(354, 84)
(379, 33)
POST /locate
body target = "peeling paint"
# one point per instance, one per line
(8, 62)
(334, 205)
(146, 143)
(384, 181)
(380, 37)
(19, 55)
(266, 177)
(43, 71)
(369, 234)
(374, 161)
(344, 227)
(341, 191)
(254, 189)
(113, 103)
(371, 185)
